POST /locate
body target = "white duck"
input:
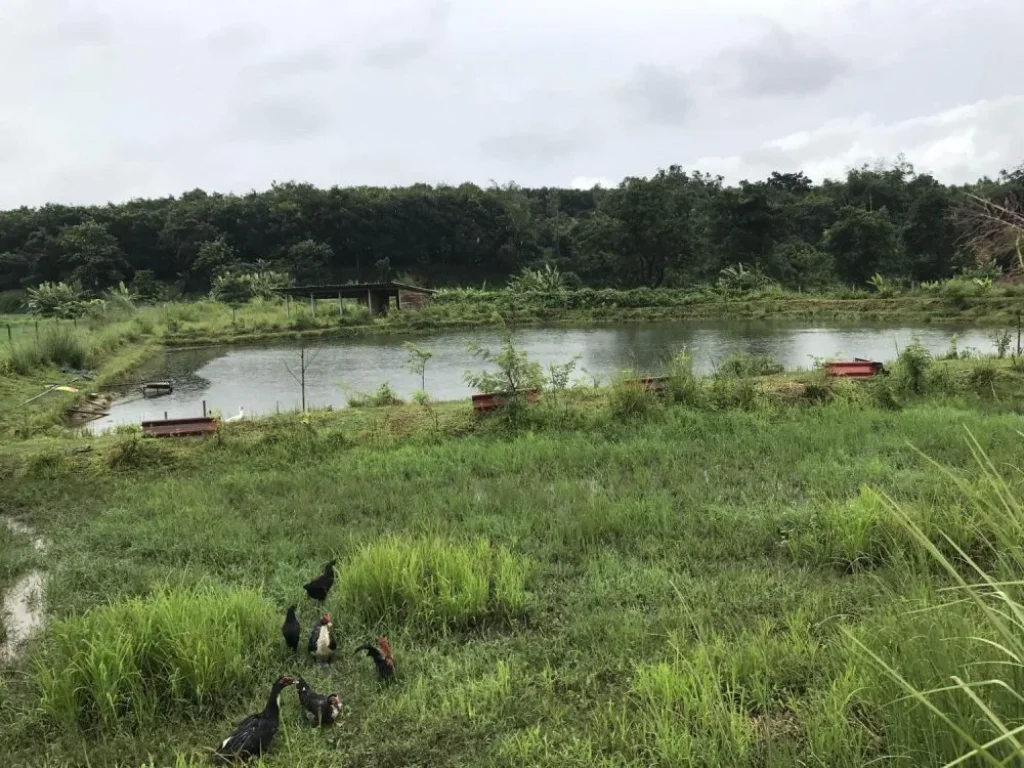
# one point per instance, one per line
(238, 416)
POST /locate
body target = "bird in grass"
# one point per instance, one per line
(319, 709)
(321, 641)
(291, 629)
(382, 657)
(321, 585)
(253, 735)
(237, 417)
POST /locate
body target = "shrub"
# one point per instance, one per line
(516, 372)
(912, 367)
(238, 288)
(126, 665)
(55, 299)
(436, 583)
(1001, 341)
(629, 400)
(382, 397)
(729, 391)
(741, 279)
(982, 379)
(682, 387)
(744, 364)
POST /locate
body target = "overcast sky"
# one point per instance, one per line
(112, 99)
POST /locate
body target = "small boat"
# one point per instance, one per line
(156, 388)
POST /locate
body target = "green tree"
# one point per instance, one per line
(928, 235)
(862, 243)
(308, 260)
(93, 254)
(213, 258)
(651, 224)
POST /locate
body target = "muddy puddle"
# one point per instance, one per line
(23, 602)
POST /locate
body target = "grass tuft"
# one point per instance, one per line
(433, 583)
(126, 665)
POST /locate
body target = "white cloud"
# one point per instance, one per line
(106, 99)
(957, 144)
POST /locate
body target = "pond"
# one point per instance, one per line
(260, 378)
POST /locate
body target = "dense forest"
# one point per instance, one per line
(671, 229)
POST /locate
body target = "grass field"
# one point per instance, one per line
(607, 581)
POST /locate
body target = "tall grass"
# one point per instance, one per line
(433, 583)
(976, 632)
(59, 346)
(127, 664)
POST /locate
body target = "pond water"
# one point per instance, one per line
(260, 378)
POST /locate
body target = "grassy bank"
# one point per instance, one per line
(605, 579)
(202, 322)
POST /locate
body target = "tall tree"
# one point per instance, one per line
(861, 243)
(652, 224)
(93, 254)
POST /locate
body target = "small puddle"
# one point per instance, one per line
(23, 602)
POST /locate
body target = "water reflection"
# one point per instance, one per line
(258, 379)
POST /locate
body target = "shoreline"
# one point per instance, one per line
(994, 312)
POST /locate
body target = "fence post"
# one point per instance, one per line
(165, 415)
(37, 330)
(10, 336)
(204, 409)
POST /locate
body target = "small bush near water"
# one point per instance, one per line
(433, 582)
(127, 664)
(384, 396)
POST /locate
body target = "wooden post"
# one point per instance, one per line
(165, 415)
(287, 305)
(312, 305)
(302, 359)
(75, 321)
(10, 335)
(341, 307)
(37, 330)
(204, 409)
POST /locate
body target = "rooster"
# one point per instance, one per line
(321, 642)
(382, 657)
(253, 735)
(291, 629)
(319, 709)
(321, 585)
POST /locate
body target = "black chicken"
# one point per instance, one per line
(382, 657)
(321, 642)
(253, 735)
(291, 629)
(319, 709)
(321, 585)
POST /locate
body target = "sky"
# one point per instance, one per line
(108, 100)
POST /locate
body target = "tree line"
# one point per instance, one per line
(674, 228)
